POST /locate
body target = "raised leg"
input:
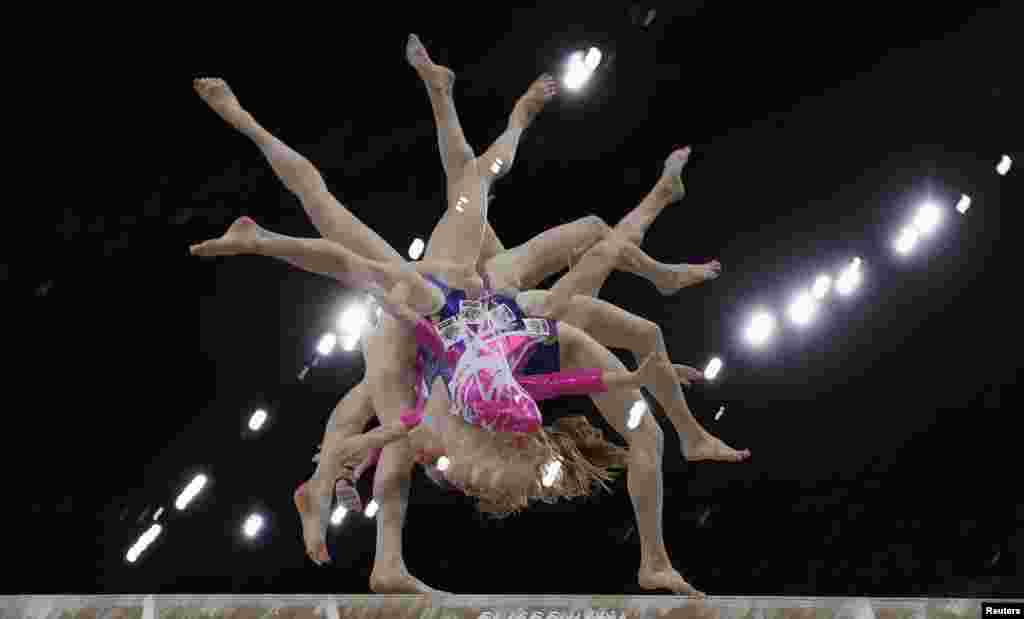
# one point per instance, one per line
(646, 448)
(667, 190)
(349, 416)
(390, 357)
(498, 159)
(469, 178)
(324, 257)
(300, 176)
(455, 151)
(391, 491)
(614, 327)
(553, 250)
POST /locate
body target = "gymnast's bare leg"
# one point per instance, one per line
(645, 478)
(553, 250)
(614, 327)
(384, 350)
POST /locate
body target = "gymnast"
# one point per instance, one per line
(334, 221)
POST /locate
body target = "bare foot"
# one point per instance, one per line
(671, 181)
(219, 97)
(434, 76)
(668, 579)
(542, 90)
(708, 447)
(240, 238)
(314, 508)
(676, 277)
(397, 579)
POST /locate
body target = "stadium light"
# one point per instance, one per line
(849, 279)
(353, 320)
(257, 420)
(371, 509)
(158, 513)
(713, 368)
(443, 463)
(253, 525)
(636, 414)
(927, 218)
(761, 327)
(822, 284)
(416, 249)
(906, 241)
(581, 68)
(326, 344)
(1003, 168)
(721, 411)
(963, 204)
(144, 541)
(802, 309)
(190, 492)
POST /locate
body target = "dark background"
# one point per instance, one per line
(885, 460)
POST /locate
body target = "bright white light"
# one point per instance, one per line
(802, 310)
(963, 204)
(326, 344)
(552, 471)
(496, 166)
(721, 411)
(144, 541)
(636, 414)
(253, 525)
(927, 219)
(443, 463)
(353, 320)
(257, 420)
(349, 342)
(459, 205)
(578, 73)
(371, 509)
(1004, 165)
(821, 287)
(762, 325)
(416, 249)
(158, 513)
(713, 368)
(338, 515)
(592, 60)
(190, 492)
(906, 240)
(849, 279)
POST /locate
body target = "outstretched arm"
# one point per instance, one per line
(593, 380)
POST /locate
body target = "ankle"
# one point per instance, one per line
(656, 562)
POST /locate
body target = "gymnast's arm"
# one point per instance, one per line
(585, 381)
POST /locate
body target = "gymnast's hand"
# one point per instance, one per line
(648, 373)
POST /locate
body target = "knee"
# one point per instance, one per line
(650, 340)
(394, 474)
(646, 444)
(599, 227)
(539, 303)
